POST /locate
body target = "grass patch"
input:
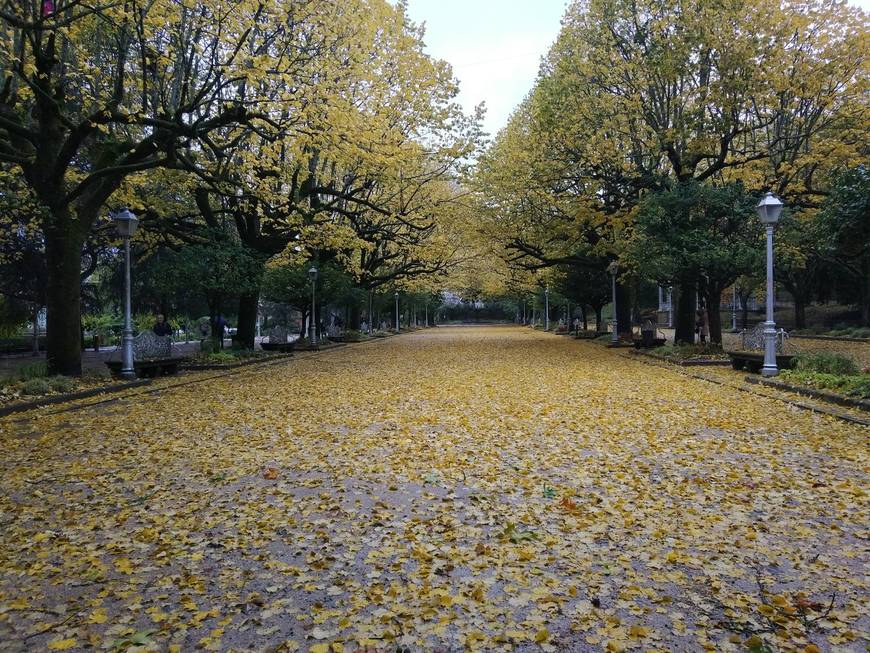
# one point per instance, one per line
(837, 331)
(855, 385)
(706, 351)
(226, 356)
(823, 362)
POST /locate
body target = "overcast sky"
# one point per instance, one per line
(495, 46)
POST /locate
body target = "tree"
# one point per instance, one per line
(845, 223)
(697, 234)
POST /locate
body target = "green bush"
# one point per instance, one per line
(827, 363)
(39, 386)
(861, 332)
(35, 370)
(61, 383)
(855, 385)
(860, 386)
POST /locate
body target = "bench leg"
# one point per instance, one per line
(737, 364)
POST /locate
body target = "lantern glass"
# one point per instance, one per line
(312, 273)
(769, 209)
(126, 223)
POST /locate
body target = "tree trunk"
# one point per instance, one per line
(36, 331)
(685, 316)
(800, 312)
(714, 314)
(63, 253)
(623, 310)
(247, 326)
(354, 316)
(599, 327)
(584, 317)
(865, 293)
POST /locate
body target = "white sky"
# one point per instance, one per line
(495, 46)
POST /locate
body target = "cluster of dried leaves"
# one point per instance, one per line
(486, 489)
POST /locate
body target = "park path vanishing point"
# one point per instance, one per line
(453, 489)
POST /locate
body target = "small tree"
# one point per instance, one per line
(845, 223)
(696, 233)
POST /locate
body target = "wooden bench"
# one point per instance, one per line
(753, 361)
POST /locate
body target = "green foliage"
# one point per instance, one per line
(695, 229)
(857, 385)
(61, 383)
(13, 315)
(34, 370)
(826, 363)
(228, 355)
(217, 266)
(39, 386)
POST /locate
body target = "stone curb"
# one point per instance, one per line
(830, 397)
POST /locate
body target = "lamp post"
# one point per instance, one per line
(312, 324)
(126, 222)
(397, 310)
(769, 209)
(613, 269)
(734, 309)
(547, 308)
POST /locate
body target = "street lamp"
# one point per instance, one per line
(547, 308)
(397, 310)
(126, 222)
(312, 325)
(769, 209)
(613, 270)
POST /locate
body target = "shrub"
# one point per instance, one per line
(861, 332)
(32, 371)
(856, 386)
(39, 386)
(827, 363)
(61, 383)
(860, 387)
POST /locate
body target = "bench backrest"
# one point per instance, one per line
(277, 335)
(753, 339)
(149, 345)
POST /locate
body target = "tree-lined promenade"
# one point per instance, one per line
(471, 488)
(257, 142)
